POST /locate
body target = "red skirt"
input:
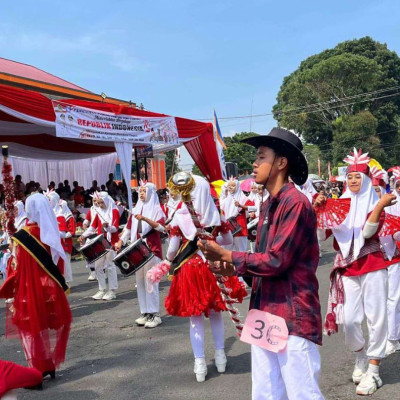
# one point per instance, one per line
(194, 290)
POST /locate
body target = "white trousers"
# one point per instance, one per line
(90, 266)
(104, 266)
(149, 303)
(291, 374)
(240, 243)
(197, 333)
(366, 295)
(393, 302)
(68, 268)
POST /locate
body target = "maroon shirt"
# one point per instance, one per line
(285, 263)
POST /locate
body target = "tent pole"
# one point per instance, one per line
(137, 167)
(145, 168)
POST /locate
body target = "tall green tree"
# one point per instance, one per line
(323, 95)
(171, 163)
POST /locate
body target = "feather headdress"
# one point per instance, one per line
(358, 162)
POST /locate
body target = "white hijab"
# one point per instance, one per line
(308, 190)
(204, 207)
(38, 210)
(350, 230)
(106, 214)
(54, 200)
(21, 215)
(150, 208)
(172, 204)
(66, 212)
(253, 196)
(395, 208)
(228, 205)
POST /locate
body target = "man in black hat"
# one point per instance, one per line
(283, 270)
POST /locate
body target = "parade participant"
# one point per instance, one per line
(283, 268)
(308, 190)
(67, 241)
(393, 264)
(106, 222)
(54, 200)
(235, 206)
(359, 277)
(194, 292)
(85, 225)
(20, 215)
(146, 222)
(40, 310)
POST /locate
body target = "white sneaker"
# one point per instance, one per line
(360, 369)
(141, 320)
(152, 321)
(220, 360)
(99, 295)
(200, 369)
(392, 346)
(110, 295)
(369, 384)
(92, 276)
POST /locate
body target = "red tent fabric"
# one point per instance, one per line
(19, 106)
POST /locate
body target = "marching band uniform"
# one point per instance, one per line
(149, 302)
(70, 232)
(393, 264)
(54, 199)
(40, 310)
(359, 280)
(308, 190)
(230, 210)
(194, 291)
(86, 223)
(109, 215)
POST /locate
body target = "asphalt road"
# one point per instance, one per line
(109, 357)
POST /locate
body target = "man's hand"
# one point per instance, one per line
(222, 268)
(387, 200)
(213, 252)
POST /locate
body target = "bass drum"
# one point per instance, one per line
(252, 230)
(234, 225)
(132, 258)
(95, 248)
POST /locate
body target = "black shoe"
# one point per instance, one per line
(51, 373)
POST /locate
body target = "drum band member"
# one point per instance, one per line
(146, 222)
(105, 222)
(88, 219)
(283, 269)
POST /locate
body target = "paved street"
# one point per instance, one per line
(110, 358)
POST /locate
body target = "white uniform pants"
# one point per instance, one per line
(68, 268)
(291, 374)
(149, 303)
(10, 395)
(104, 266)
(393, 302)
(366, 295)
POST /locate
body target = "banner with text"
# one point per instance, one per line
(84, 123)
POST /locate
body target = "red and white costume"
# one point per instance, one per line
(359, 275)
(194, 291)
(54, 199)
(393, 264)
(230, 210)
(70, 227)
(149, 303)
(86, 223)
(109, 215)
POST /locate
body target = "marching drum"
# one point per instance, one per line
(133, 257)
(95, 248)
(235, 226)
(252, 230)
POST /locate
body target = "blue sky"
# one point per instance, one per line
(186, 58)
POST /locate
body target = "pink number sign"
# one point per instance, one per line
(265, 330)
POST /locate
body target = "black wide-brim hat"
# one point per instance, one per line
(288, 145)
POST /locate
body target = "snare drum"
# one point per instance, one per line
(235, 226)
(133, 257)
(95, 248)
(252, 230)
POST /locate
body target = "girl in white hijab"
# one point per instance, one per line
(359, 275)
(20, 218)
(308, 190)
(146, 222)
(105, 221)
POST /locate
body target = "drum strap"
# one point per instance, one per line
(37, 250)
